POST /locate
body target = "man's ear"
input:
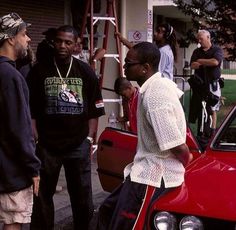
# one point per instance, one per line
(146, 67)
(11, 41)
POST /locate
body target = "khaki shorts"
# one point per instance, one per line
(16, 207)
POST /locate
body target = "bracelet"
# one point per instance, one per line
(90, 139)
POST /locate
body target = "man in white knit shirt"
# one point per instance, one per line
(161, 155)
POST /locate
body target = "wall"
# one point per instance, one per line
(41, 14)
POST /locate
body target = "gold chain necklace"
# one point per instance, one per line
(64, 85)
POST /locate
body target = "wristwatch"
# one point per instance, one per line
(90, 139)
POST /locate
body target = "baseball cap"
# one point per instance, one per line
(10, 25)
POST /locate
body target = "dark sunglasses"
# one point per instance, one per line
(130, 63)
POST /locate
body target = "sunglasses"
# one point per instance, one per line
(130, 63)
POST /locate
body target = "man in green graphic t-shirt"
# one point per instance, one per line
(65, 102)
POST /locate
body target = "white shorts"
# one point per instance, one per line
(217, 93)
(16, 207)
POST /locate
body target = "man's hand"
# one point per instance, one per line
(182, 154)
(36, 181)
(195, 65)
(123, 40)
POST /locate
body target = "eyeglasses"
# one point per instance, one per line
(130, 63)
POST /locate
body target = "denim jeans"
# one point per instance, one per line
(77, 166)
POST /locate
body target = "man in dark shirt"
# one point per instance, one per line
(19, 165)
(45, 49)
(65, 103)
(206, 62)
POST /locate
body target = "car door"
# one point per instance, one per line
(116, 149)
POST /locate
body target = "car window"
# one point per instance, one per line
(227, 137)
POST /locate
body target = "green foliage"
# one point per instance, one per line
(228, 71)
(218, 16)
(229, 92)
(229, 102)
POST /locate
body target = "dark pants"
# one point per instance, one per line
(122, 207)
(77, 167)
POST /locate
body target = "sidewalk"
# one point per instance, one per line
(63, 214)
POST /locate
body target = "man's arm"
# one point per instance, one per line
(182, 154)
(195, 65)
(205, 62)
(208, 62)
(93, 124)
(123, 40)
(36, 180)
(34, 129)
(98, 55)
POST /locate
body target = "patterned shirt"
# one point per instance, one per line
(161, 127)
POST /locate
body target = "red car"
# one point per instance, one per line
(207, 198)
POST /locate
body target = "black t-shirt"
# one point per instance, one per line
(212, 72)
(62, 114)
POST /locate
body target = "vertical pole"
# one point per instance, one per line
(91, 48)
(105, 41)
(150, 21)
(118, 46)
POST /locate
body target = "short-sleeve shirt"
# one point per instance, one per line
(213, 72)
(166, 65)
(62, 114)
(161, 127)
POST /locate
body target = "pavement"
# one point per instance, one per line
(63, 213)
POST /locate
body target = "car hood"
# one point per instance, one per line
(209, 189)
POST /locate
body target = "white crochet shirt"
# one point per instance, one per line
(161, 126)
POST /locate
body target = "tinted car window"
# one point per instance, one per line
(226, 140)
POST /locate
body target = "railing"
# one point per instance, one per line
(181, 81)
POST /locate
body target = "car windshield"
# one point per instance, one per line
(226, 140)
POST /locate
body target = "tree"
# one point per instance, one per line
(218, 16)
